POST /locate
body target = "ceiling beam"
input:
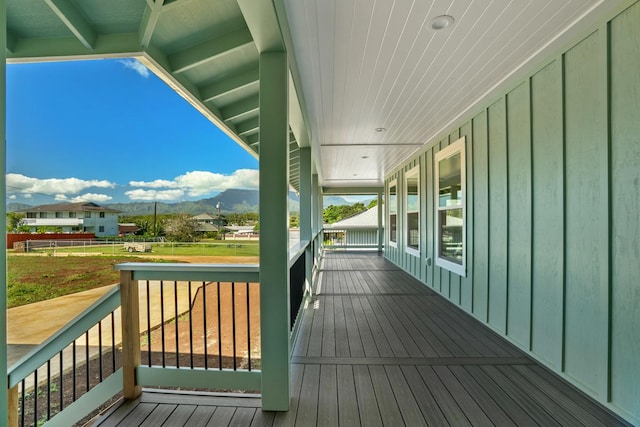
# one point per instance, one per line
(124, 45)
(149, 21)
(74, 20)
(261, 18)
(12, 40)
(248, 126)
(210, 50)
(347, 191)
(253, 139)
(240, 109)
(238, 81)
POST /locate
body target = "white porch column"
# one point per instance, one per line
(306, 211)
(315, 208)
(4, 395)
(380, 230)
(274, 230)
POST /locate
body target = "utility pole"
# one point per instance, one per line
(219, 221)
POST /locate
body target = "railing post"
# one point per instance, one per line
(129, 298)
(12, 407)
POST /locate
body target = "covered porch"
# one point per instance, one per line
(377, 347)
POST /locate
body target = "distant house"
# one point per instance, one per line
(357, 231)
(86, 217)
(207, 223)
(127, 229)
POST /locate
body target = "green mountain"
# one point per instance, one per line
(231, 201)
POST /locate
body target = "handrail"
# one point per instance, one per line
(297, 250)
(64, 336)
(194, 272)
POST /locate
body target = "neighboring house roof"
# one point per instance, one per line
(205, 227)
(240, 228)
(365, 219)
(204, 217)
(70, 207)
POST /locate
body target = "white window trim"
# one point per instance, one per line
(393, 183)
(414, 171)
(453, 148)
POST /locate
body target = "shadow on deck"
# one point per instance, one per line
(377, 347)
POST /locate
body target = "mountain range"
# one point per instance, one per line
(231, 201)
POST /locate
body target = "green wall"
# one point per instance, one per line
(553, 215)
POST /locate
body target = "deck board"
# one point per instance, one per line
(377, 347)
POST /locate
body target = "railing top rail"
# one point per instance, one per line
(178, 266)
(297, 250)
(194, 272)
(65, 336)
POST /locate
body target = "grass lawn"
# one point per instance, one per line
(228, 248)
(32, 279)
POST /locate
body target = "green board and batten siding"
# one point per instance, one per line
(553, 215)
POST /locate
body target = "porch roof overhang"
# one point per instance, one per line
(369, 85)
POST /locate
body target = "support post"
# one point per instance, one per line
(380, 228)
(315, 208)
(306, 213)
(274, 230)
(130, 306)
(4, 386)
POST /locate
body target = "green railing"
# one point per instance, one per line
(226, 298)
(193, 326)
(73, 372)
(350, 238)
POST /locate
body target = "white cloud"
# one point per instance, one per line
(199, 183)
(195, 184)
(135, 65)
(158, 183)
(61, 197)
(92, 197)
(13, 197)
(154, 195)
(17, 183)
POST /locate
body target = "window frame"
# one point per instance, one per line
(393, 183)
(414, 172)
(454, 148)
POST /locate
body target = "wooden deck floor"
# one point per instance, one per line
(375, 348)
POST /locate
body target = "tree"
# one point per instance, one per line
(336, 213)
(182, 228)
(373, 203)
(13, 222)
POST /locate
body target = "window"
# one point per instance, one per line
(58, 214)
(393, 214)
(31, 214)
(450, 206)
(43, 215)
(72, 214)
(101, 229)
(101, 214)
(412, 186)
(87, 214)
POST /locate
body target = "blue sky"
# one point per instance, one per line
(110, 131)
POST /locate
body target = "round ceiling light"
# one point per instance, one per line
(379, 130)
(441, 22)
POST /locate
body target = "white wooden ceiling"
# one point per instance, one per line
(367, 64)
(356, 65)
